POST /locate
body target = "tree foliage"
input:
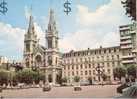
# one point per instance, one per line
(29, 76)
(64, 80)
(76, 78)
(4, 77)
(119, 72)
(131, 70)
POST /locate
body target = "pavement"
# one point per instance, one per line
(95, 91)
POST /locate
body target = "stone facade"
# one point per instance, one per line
(84, 63)
(45, 58)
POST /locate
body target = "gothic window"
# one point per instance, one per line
(49, 27)
(49, 60)
(56, 60)
(56, 42)
(38, 60)
(49, 43)
(28, 47)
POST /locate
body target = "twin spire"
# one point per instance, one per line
(51, 24)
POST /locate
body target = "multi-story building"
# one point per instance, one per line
(85, 63)
(3, 60)
(128, 44)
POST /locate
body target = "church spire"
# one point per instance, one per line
(31, 23)
(52, 22)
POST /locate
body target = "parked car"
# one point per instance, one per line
(77, 88)
(84, 83)
(47, 87)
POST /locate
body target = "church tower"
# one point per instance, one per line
(30, 42)
(53, 68)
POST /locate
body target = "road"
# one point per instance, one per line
(107, 91)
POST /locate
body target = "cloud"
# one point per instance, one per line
(95, 28)
(11, 39)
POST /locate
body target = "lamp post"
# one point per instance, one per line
(99, 71)
(45, 67)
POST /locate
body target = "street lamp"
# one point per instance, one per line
(45, 66)
(99, 71)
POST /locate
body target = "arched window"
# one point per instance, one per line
(38, 60)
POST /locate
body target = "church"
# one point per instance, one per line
(83, 63)
(46, 58)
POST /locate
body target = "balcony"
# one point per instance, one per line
(126, 47)
(126, 42)
(125, 28)
(128, 57)
(128, 61)
(125, 37)
(133, 32)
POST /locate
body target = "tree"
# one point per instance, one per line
(76, 78)
(104, 77)
(25, 76)
(131, 70)
(29, 76)
(37, 76)
(119, 72)
(90, 80)
(64, 80)
(4, 77)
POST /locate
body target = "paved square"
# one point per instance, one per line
(107, 91)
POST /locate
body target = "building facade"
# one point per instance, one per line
(3, 60)
(45, 58)
(84, 63)
(128, 44)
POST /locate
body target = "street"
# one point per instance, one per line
(107, 91)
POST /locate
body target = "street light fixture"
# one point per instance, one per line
(99, 72)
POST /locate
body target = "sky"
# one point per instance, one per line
(92, 23)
